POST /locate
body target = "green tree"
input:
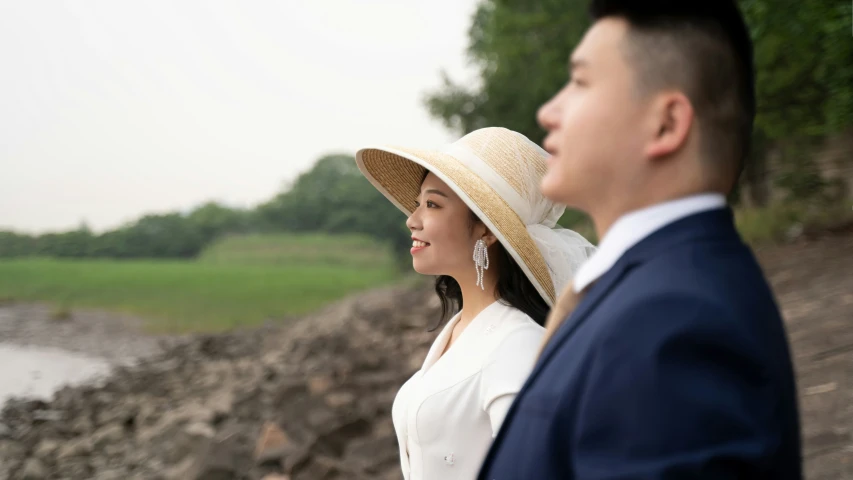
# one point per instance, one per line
(837, 71)
(334, 197)
(804, 86)
(804, 81)
(520, 50)
(163, 236)
(211, 220)
(16, 245)
(74, 244)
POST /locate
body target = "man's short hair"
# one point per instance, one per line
(704, 49)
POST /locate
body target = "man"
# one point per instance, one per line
(674, 364)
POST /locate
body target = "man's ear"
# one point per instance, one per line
(672, 118)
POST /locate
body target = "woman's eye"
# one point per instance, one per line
(430, 204)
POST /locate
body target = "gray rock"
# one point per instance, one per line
(222, 459)
(33, 470)
(46, 449)
(108, 434)
(77, 447)
(81, 425)
(193, 438)
(47, 415)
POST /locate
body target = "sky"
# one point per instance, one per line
(112, 109)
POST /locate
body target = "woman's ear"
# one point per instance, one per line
(489, 238)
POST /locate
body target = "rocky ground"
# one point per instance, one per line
(813, 280)
(312, 401)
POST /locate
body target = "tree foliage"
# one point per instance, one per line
(804, 81)
(332, 197)
(520, 50)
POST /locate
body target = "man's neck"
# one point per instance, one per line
(604, 220)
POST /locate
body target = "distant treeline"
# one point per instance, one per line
(804, 86)
(332, 197)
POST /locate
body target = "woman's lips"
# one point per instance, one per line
(418, 245)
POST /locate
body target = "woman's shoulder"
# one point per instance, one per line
(512, 330)
(513, 351)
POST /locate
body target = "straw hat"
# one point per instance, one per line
(496, 172)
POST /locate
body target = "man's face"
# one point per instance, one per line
(594, 123)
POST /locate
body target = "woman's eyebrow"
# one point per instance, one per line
(437, 192)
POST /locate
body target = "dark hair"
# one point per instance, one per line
(513, 288)
(704, 48)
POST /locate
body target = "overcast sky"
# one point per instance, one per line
(111, 109)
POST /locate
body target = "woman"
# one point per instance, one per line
(479, 223)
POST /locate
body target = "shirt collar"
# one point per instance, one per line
(634, 226)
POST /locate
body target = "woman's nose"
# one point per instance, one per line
(413, 222)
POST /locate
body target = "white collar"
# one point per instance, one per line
(634, 226)
(477, 324)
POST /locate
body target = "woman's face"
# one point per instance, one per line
(443, 231)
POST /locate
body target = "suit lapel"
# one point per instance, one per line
(714, 224)
(596, 293)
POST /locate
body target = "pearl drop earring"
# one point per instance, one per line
(481, 261)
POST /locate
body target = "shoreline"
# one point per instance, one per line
(49, 353)
(115, 337)
(39, 372)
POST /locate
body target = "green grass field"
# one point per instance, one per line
(299, 250)
(229, 286)
(243, 281)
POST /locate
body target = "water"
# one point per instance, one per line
(38, 372)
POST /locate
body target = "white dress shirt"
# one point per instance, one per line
(633, 227)
(447, 414)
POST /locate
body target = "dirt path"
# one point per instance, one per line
(813, 281)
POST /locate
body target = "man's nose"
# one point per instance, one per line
(548, 115)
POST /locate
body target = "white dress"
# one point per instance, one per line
(447, 414)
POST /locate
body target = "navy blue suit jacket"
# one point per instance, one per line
(675, 365)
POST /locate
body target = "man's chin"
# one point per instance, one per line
(553, 189)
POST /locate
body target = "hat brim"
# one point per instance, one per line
(398, 172)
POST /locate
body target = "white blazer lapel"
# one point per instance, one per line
(439, 344)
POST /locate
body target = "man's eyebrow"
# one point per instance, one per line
(576, 63)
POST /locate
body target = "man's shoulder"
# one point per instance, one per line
(719, 299)
(702, 254)
(723, 273)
